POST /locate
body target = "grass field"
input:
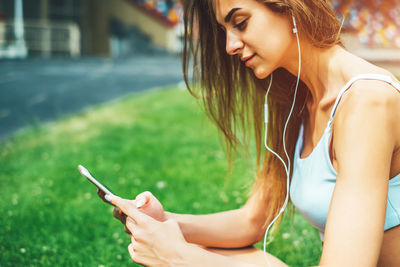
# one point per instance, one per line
(159, 141)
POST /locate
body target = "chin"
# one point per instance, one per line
(261, 73)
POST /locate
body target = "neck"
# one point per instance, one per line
(321, 71)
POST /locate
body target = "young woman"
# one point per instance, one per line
(342, 138)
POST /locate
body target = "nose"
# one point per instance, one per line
(233, 43)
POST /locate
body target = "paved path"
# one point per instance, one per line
(38, 90)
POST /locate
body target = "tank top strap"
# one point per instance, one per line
(369, 76)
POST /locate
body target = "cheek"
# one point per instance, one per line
(271, 43)
(273, 35)
(275, 43)
(273, 50)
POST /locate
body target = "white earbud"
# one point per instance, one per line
(294, 25)
(266, 103)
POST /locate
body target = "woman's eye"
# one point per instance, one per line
(241, 25)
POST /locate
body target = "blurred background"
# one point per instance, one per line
(106, 28)
(99, 83)
(60, 56)
(371, 30)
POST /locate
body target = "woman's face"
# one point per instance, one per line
(261, 38)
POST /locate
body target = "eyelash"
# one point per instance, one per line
(241, 25)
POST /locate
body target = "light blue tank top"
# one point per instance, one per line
(314, 177)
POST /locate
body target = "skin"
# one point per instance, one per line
(249, 41)
(161, 238)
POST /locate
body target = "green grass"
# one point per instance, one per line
(159, 141)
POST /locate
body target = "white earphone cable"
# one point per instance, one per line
(287, 167)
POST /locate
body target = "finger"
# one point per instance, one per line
(116, 213)
(131, 252)
(134, 253)
(101, 194)
(123, 218)
(135, 244)
(126, 230)
(131, 225)
(136, 232)
(143, 198)
(119, 215)
(126, 207)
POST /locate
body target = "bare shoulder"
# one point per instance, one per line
(369, 101)
(373, 91)
(365, 94)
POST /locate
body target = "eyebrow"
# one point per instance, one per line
(229, 16)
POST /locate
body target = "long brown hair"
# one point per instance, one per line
(234, 98)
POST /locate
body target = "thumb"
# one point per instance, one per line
(127, 208)
(143, 198)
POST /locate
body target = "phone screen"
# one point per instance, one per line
(99, 185)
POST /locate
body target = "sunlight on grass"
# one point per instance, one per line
(158, 141)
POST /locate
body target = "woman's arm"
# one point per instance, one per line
(156, 243)
(230, 229)
(364, 140)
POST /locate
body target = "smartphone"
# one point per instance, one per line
(99, 185)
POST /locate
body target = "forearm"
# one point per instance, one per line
(193, 255)
(229, 229)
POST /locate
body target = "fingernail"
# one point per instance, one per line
(108, 198)
(140, 203)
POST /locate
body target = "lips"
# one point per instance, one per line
(247, 60)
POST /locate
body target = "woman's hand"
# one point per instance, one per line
(146, 202)
(154, 242)
(149, 204)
